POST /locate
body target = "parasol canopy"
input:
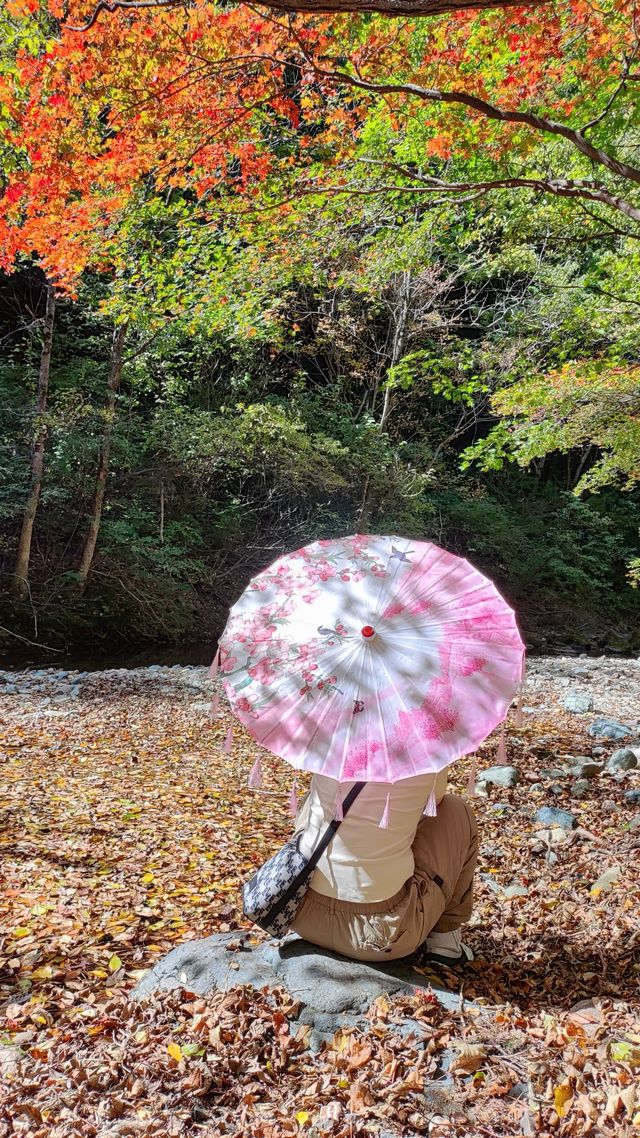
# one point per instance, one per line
(371, 658)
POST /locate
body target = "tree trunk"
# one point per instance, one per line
(115, 373)
(162, 510)
(21, 570)
(400, 321)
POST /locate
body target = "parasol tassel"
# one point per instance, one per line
(255, 778)
(523, 680)
(228, 743)
(431, 808)
(471, 782)
(383, 824)
(293, 800)
(338, 812)
(518, 719)
(502, 747)
(215, 704)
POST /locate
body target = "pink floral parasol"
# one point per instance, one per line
(371, 658)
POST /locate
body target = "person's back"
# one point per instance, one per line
(366, 861)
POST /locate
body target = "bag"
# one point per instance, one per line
(273, 896)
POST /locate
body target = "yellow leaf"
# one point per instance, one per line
(44, 972)
(562, 1097)
(302, 1116)
(175, 1051)
(341, 1042)
(147, 878)
(21, 931)
(114, 963)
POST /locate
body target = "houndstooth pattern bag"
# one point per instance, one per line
(273, 896)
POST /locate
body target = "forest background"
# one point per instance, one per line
(271, 276)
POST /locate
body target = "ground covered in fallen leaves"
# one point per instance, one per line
(125, 829)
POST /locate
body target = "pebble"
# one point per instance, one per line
(609, 806)
(552, 816)
(610, 729)
(578, 702)
(500, 776)
(624, 759)
(633, 795)
(580, 787)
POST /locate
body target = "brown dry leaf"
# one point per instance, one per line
(359, 1053)
(470, 1057)
(359, 1098)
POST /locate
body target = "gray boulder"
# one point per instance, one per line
(500, 776)
(610, 729)
(624, 759)
(578, 702)
(334, 991)
(552, 816)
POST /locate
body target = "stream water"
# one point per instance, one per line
(95, 660)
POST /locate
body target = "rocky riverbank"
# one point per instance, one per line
(126, 831)
(575, 688)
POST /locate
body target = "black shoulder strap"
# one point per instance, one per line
(334, 825)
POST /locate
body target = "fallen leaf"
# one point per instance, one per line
(562, 1098)
(469, 1059)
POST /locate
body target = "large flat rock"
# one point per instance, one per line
(334, 991)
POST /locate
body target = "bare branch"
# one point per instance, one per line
(560, 187)
(398, 8)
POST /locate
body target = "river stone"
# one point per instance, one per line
(624, 759)
(578, 702)
(633, 795)
(609, 729)
(552, 816)
(500, 776)
(334, 991)
(586, 769)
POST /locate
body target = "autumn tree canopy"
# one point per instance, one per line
(253, 109)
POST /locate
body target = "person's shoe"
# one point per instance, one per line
(446, 948)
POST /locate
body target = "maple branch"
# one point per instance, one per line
(560, 187)
(384, 7)
(488, 110)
